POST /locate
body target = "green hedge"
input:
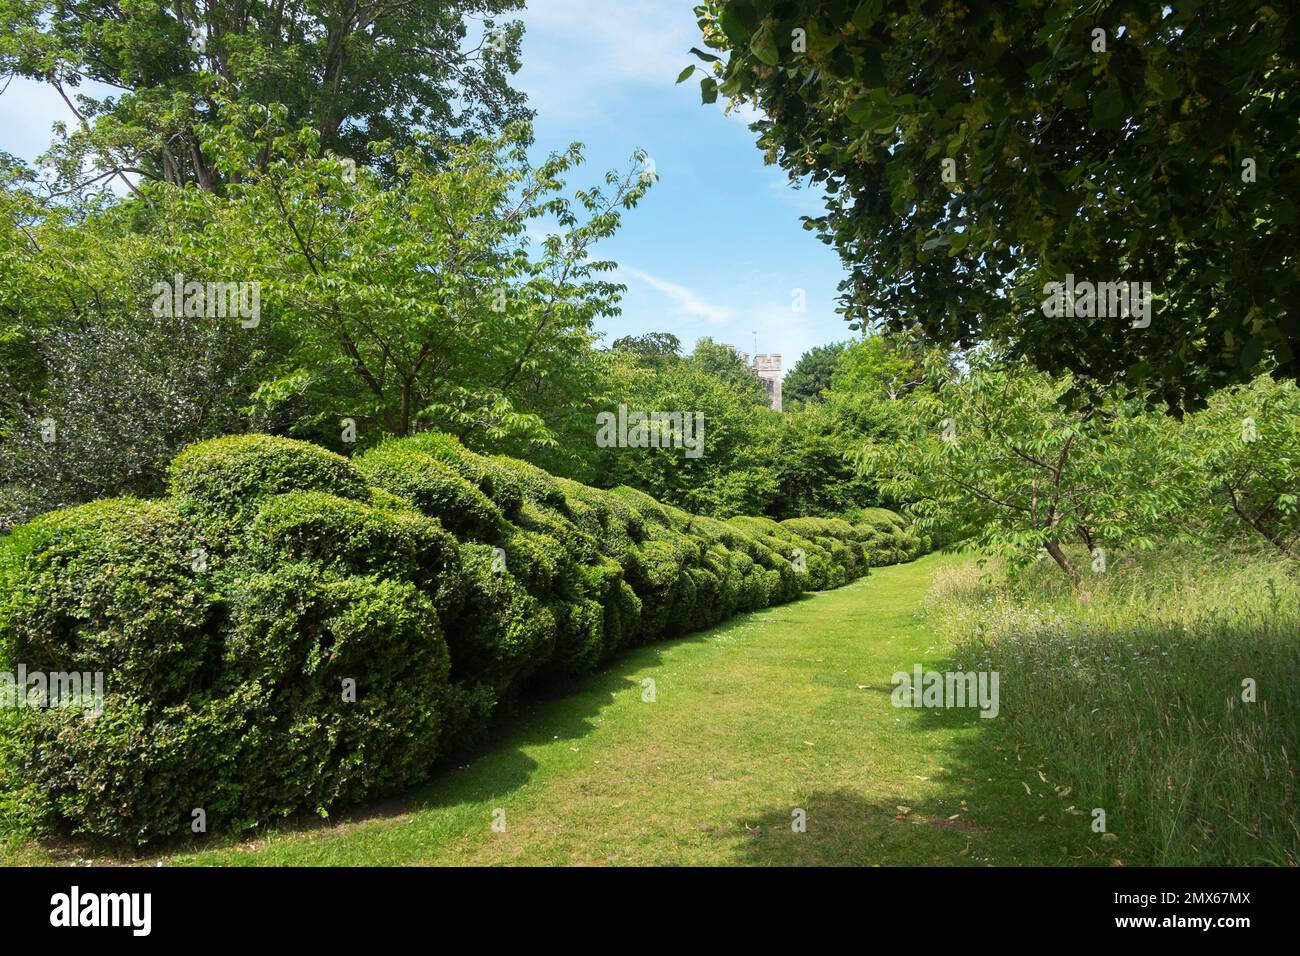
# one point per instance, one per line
(220, 484)
(111, 586)
(292, 632)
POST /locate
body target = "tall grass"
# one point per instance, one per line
(1135, 699)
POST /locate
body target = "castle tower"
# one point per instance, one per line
(768, 369)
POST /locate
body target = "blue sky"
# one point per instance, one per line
(715, 249)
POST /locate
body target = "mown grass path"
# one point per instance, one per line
(782, 709)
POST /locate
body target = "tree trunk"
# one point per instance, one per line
(1259, 527)
(204, 174)
(1054, 549)
(1087, 539)
(406, 410)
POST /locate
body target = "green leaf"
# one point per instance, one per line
(685, 74)
(1251, 351)
(1165, 84)
(1107, 108)
(738, 21)
(709, 90)
(763, 45)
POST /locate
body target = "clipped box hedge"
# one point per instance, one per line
(348, 622)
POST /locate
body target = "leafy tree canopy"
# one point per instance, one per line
(356, 71)
(731, 475)
(724, 363)
(1240, 461)
(883, 366)
(310, 298)
(651, 345)
(813, 373)
(973, 153)
(994, 455)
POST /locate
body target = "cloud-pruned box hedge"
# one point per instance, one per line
(290, 631)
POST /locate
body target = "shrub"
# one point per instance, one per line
(354, 672)
(653, 570)
(356, 537)
(726, 568)
(229, 687)
(579, 545)
(488, 475)
(467, 716)
(537, 486)
(432, 487)
(136, 772)
(586, 509)
(638, 503)
(277, 736)
(505, 633)
(579, 636)
(533, 558)
(110, 586)
(219, 484)
(622, 618)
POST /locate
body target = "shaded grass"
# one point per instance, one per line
(781, 709)
(1136, 699)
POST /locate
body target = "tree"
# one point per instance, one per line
(398, 305)
(997, 457)
(814, 462)
(812, 374)
(725, 364)
(753, 460)
(123, 395)
(973, 154)
(23, 290)
(355, 71)
(97, 390)
(1241, 461)
(730, 473)
(653, 346)
(880, 365)
(423, 302)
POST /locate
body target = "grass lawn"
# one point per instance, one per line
(782, 709)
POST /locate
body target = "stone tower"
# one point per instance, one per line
(768, 369)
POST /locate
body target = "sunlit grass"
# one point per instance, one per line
(1136, 698)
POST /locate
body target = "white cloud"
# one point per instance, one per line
(687, 303)
(578, 54)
